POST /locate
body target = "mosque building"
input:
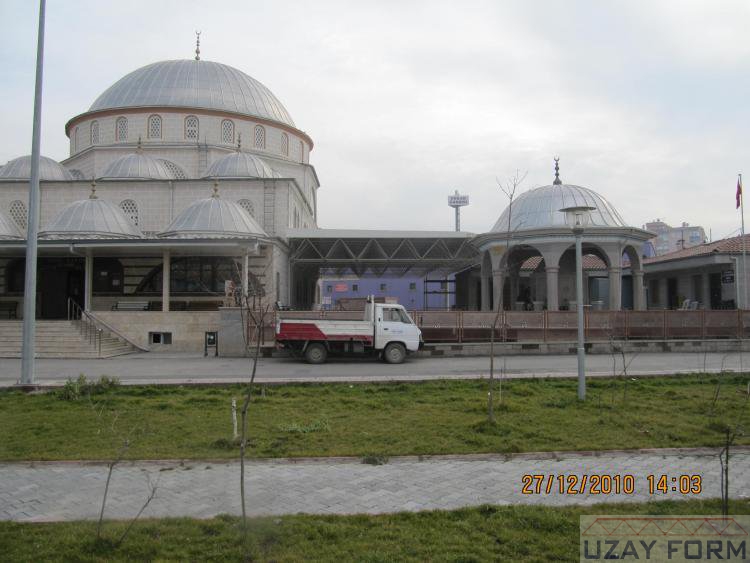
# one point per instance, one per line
(186, 174)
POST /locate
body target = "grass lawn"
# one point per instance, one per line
(376, 419)
(486, 533)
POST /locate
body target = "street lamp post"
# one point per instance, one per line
(577, 218)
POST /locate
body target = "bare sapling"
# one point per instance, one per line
(509, 189)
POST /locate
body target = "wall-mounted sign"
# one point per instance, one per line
(341, 287)
(727, 276)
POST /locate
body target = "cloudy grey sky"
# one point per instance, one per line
(645, 101)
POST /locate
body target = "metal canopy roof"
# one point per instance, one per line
(381, 253)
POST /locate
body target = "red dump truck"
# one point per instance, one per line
(386, 331)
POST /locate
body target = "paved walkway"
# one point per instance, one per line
(72, 491)
(190, 368)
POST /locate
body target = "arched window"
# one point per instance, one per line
(248, 206)
(75, 139)
(227, 132)
(260, 137)
(19, 214)
(176, 172)
(121, 129)
(285, 144)
(94, 132)
(191, 127)
(301, 152)
(130, 209)
(154, 127)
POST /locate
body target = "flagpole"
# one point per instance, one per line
(744, 250)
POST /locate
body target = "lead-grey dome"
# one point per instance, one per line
(193, 84)
(213, 217)
(540, 209)
(8, 229)
(137, 166)
(49, 170)
(91, 218)
(240, 165)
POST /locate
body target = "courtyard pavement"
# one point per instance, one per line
(72, 491)
(156, 367)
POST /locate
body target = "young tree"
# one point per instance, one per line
(509, 188)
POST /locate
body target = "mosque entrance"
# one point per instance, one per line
(57, 280)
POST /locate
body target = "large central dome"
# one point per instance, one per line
(193, 84)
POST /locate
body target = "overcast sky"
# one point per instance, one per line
(645, 102)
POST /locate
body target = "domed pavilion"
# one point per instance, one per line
(528, 257)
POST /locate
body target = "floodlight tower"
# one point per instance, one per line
(457, 201)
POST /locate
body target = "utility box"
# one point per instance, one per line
(211, 341)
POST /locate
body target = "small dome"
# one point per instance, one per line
(240, 165)
(540, 209)
(91, 218)
(195, 85)
(49, 170)
(137, 166)
(213, 218)
(8, 229)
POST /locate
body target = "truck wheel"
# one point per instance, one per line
(394, 353)
(316, 353)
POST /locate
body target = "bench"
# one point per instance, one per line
(130, 306)
(10, 308)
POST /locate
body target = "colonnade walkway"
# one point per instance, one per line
(202, 489)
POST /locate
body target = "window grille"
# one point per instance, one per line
(248, 206)
(121, 129)
(191, 127)
(154, 127)
(94, 132)
(19, 214)
(260, 137)
(227, 132)
(176, 172)
(130, 209)
(285, 144)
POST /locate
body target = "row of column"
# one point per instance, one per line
(553, 294)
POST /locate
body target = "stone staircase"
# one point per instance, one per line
(60, 339)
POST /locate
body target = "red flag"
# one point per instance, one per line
(738, 196)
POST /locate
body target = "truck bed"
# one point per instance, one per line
(321, 330)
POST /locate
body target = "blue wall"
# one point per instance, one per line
(408, 291)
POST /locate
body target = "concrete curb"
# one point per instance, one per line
(190, 463)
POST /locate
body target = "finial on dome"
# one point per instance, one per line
(216, 189)
(197, 45)
(139, 146)
(557, 181)
(239, 142)
(93, 189)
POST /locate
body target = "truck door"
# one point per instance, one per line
(389, 326)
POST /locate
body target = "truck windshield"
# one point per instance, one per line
(396, 316)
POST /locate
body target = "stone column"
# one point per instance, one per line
(498, 279)
(88, 272)
(615, 288)
(639, 291)
(485, 304)
(245, 275)
(706, 287)
(552, 291)
(166, 271)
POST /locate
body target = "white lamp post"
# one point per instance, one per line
(577, 219)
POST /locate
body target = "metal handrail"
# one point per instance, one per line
(86, 325)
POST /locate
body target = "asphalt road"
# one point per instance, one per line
(190, 368)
